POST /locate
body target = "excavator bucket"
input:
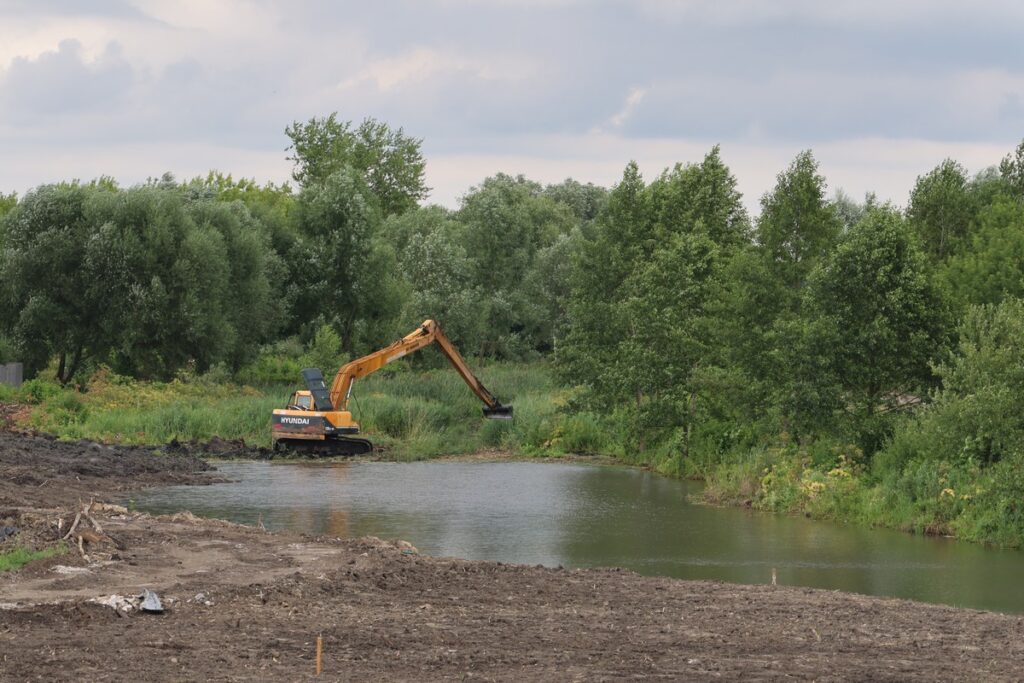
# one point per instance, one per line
(498, 412)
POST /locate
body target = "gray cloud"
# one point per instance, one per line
(481, 77)
(61, 83)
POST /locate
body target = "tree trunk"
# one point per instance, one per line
(64, 371)
(60, 367)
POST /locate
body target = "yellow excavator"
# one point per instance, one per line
(318, 421)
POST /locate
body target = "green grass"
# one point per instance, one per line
(18, 557)
(413, 414)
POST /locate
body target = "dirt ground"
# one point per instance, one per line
(245, 604)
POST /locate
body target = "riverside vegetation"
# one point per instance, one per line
(851, 360)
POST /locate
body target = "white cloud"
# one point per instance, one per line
(633, 99)
(423, 63)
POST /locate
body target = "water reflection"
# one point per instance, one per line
(578, 516)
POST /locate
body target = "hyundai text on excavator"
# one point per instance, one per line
(318, 421)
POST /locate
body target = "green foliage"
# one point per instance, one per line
(585, 201)
(54, 293)
(504, 224)
(8, 354)
(700, 198)
(7, 203)
(277, 363)
(991, 266)
(19, 556)
(1012, 171)
(349, 277)
(35, 391)
(389, 161)
(872, 323)
(797, 227)
(941, 209)
(324, 352)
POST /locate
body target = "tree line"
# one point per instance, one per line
(661, 302)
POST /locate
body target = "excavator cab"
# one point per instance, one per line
(301, 400)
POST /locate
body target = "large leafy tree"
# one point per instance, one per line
(640, 318)
(797, 228)
(991, 267)
(254, 271)
(701, 198)
(797, 225)
(941, 209)
(589, 354)
(1012, 170)
(54, 294)
(389, 161)
(171, 281)
(350, 277)
(505, 223)
(873, 322)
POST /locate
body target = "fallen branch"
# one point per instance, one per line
(74, 525)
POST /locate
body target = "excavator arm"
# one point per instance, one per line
(427, 333)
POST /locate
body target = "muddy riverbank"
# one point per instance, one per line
(245, 604)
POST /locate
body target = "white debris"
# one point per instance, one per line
(119, 603)
(64, 569)
(151, 602)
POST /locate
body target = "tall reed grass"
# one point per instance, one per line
(411, 413)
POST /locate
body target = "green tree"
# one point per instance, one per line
(701, 198)
(585, 201)
(797, 226)
(349, 277)
(991, 267)
(588, 356)
(7, 203)
(504, 224)
(873, 321)
(639, 312)
(1012, 170)
(665, 311)
(168, 281)
(389, 161)
(941, 209)
(254, 272)
(53, 293)
(439, 276)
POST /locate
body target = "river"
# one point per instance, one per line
(578, 515)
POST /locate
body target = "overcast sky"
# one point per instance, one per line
(880, 90)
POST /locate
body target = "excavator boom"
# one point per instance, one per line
(427, 333)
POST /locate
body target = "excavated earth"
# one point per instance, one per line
(243, 604)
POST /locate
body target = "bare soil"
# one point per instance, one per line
(245, 604)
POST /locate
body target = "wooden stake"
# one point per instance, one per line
(773, 576)
(319, 653)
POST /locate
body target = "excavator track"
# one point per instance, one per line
(328, 448)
